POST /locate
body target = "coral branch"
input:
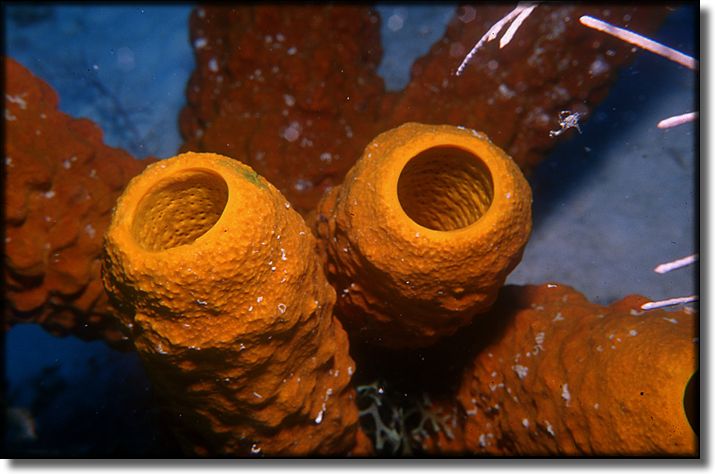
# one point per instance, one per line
(640, 41)
(678, 120)
(669, 302)
(675, 264)
(509, 33)
(520, 12)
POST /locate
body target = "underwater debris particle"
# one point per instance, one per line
(549, 428)
(259, 299)
(302, 185)
(632, 332)
(565, 394)
(506, 92)
(90, 230)
(521, 371)
(17, 99)
(255, 449)
(456, 50)
(598, 66)
(319, 418)
(281, 308)
(213, 65)
(525, 423)
(395, 22)
(200, 43)
(468, 14)
(292, 132)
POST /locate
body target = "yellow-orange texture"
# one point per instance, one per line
(422, 233)
(230, 310)
(567, 377)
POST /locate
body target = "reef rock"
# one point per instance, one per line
(515, 94)
(62, 182)
(294, 92)
(291, 91)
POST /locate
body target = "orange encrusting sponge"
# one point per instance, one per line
(218, 280)
(566, 377)
(422, 233)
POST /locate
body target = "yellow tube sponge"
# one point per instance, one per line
(556, 375)
(422, 233)
(218, 280)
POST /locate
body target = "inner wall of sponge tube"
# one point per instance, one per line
(691, 402)
(179, 209)
(445, 188)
